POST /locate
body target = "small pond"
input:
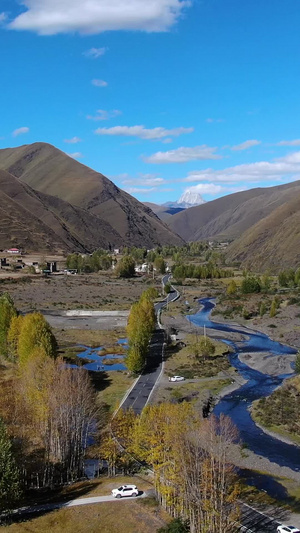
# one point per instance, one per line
(102, 363)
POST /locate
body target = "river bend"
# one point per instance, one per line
(237, 404)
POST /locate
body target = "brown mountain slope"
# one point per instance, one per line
(273, 242)
(36, 221)
(48, 170)
(163, 211)
(228, 217)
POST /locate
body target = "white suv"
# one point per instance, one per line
(288, 529)
(125, 490)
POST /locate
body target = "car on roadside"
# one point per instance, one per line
(176, 378)
(125, 490)
(288, 529)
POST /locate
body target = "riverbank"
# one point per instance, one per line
(267, 363)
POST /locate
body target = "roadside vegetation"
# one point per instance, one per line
(141, 324)
(188, 455)
(280, 412)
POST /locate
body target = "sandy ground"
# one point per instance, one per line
(286, 322)
(90, 323)
(267, 363)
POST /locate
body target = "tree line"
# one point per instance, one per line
(193, 477)
(206, 271)
(141, 323)
(98, 260)
(45, 406)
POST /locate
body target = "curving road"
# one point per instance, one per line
(143, 387)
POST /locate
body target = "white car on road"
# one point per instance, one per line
(125, 490)
(176, 378)
(288, 529)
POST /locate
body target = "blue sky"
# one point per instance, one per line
(159, 95)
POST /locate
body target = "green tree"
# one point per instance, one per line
(250, 284)
(262, 309)
(273, 309)
(9, 474)
(7, 312)
(141, 323)
(266, 282)
(126, 267)
(204, 347)
(13, 336)
(232, 288)
(160, 264)
(35, 333)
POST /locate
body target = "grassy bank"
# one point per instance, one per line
(280, 412)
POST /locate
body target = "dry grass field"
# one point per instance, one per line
(85, 291)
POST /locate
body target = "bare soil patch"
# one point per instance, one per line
(86, 291)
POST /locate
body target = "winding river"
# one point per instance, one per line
(236, 404)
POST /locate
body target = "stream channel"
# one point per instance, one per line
(237, 403)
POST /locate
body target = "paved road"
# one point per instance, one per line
(37, 509)
(139, 395)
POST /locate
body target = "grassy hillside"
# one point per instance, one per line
(274, 242)
(228, 217)
(50, 171)
(35, 221)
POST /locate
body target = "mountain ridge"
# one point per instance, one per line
(50, 171)
(229, 216)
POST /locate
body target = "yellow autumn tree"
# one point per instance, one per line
(35, 333)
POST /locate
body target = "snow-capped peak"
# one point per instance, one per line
(190, 198)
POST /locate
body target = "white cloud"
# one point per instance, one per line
(49, 17)
(20, 131)
(206, 188)
(184, 154)
(212, 120)
(99, 83)
(101, 114)
(245, 145)
(284, 167)
(213, 189)
(74, 140)
(295, 142)
(94, 53)
(76, 155)
(148, 180)
(142, 132)
(137, 190)
(3, 18)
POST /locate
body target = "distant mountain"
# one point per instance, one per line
(190, 199)
(228, 217)
(168, 209)
(123, 219)
(274, 242)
